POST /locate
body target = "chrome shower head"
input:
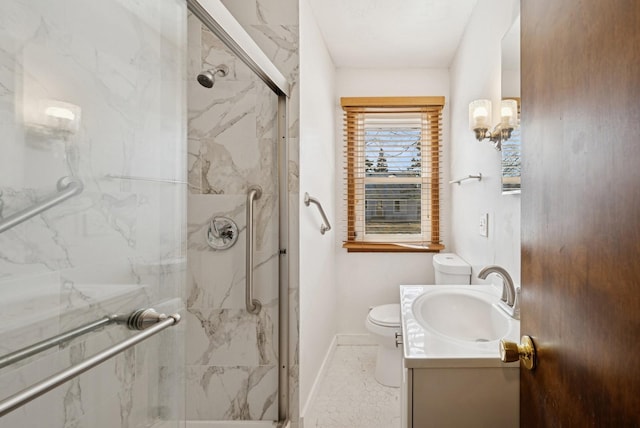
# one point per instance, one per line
(207, 78)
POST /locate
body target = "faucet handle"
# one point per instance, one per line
(222, 233)
(221, 228)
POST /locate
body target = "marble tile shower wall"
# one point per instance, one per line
(118, 245)
(232, 355)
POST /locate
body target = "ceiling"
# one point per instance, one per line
(392, 33)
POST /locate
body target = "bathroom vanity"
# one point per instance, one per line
(453, 376)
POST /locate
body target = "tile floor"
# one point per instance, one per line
(350, 397)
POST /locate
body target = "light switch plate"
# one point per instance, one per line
(484, 224)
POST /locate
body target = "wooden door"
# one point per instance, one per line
(581, 212)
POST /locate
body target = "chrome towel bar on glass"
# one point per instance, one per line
(34, 391)
(137, 320)
(310, 199)
(253, 305)
(468, 177)
(67, 187)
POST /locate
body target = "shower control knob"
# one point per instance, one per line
(222, 233)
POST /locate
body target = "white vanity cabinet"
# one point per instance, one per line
(450, 380)
(460, 397)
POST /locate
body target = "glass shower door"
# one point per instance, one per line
(93, 92)
(232, 354)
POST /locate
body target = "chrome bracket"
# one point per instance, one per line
(142, 319)
(398, 339)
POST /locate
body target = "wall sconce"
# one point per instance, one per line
(480, 121)
(55, 118)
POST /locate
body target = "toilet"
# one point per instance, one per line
(450, 269)
(383, 322)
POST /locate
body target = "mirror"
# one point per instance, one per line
(511, 90)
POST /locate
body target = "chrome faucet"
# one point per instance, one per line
(509, 295)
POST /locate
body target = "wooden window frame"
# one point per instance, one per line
(433, 107)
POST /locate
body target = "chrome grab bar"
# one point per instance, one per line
(253, 305)
(137, 320)
(34, 391)
(67, 187)
(310, 199)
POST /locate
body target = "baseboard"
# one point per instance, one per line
(316, 383)
(355, 339)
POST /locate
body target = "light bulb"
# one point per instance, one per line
(509, 114)
(479, 114)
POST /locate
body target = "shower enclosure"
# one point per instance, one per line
(107, 142)
(237, 348)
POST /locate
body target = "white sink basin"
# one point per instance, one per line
(463, 314)
(447, 326)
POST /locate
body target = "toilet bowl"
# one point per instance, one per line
(383, 322)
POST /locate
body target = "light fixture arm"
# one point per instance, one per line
(496, 136)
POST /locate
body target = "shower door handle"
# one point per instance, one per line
(253, 305)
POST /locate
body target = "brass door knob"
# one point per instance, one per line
(525, 352)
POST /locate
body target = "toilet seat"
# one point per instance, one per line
(385, 315)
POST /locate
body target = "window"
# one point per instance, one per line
(392, 173)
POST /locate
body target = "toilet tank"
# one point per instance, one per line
(451, 269)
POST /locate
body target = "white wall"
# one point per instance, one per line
(475, 73)
(369, 279)
(317, 177)
(336, 295)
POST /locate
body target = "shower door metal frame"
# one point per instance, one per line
(219, 20)
(215, 16)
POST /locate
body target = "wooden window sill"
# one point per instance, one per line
(384, 247)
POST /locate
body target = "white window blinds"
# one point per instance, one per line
(392, 173)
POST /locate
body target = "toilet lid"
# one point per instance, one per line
(386, 315)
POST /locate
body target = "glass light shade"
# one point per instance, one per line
(480, 114)
(55, 116)
(509, 114)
